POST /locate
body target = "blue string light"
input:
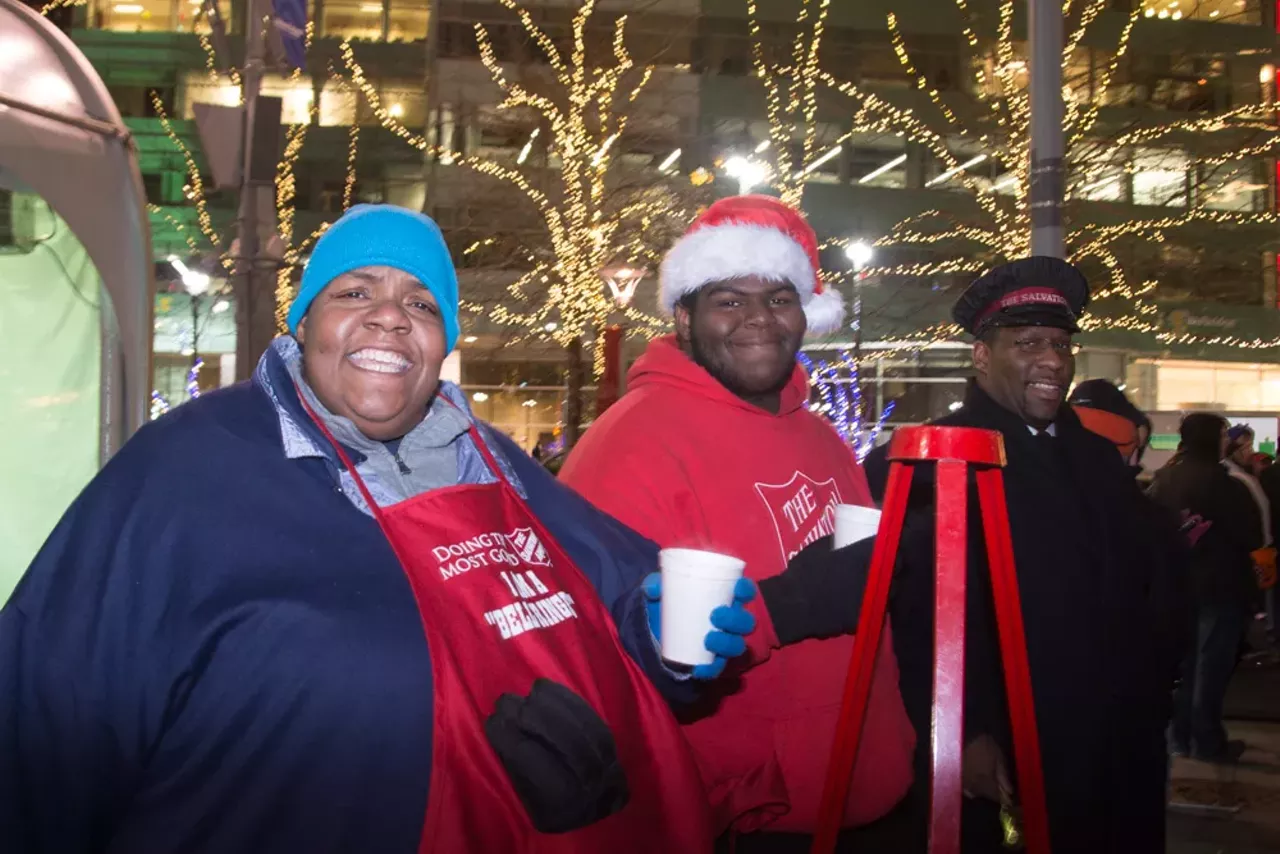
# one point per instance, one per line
(845, 408)
(193, 379)
(159, 404)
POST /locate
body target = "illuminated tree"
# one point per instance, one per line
(992, 127)
(594, 211)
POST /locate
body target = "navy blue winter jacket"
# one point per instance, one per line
(216, 651)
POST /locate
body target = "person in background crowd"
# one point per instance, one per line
(712, 447)
(1239, 464)
(1262, 462)
(1242, 463)
(1269, 477)
(1104, 409)
(1224, 528)
(329, 611)
(1087, 556)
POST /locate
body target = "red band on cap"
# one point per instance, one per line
(1026, 296)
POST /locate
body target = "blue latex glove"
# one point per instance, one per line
(732, 623)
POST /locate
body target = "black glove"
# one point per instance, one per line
(819, 594)
(560, 756)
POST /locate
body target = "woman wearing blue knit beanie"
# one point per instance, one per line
(329, 610)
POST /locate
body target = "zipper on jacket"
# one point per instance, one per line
(404, 469)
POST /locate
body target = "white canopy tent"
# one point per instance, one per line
(75, 285)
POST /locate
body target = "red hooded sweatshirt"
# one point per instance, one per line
(687, 463)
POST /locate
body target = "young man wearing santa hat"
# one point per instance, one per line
(713, 448)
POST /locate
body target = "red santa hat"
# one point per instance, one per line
(751, 236)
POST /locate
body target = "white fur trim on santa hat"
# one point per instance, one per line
(825, 312)
(720, 252)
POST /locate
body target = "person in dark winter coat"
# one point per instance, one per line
(329, 611)
(1083, 549)
(1223, 525)
(1104, 409)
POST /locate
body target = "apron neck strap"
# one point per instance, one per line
(342, 455)
(483, 447)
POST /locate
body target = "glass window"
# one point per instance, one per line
(197, 88)
(882, 163)
(529, 415)
(150, 16)
(138, 16)
(192, 19)
(353, 19)
(1178, 388)
(1097, 173)
(408, 20)
(1233, 187)
(295, 97)
(1239, 388)
(338, 104)
(406, 104)
(1220, 11)
(1270, 389)
(1160, 177)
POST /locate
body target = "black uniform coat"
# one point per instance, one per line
(1096, 587)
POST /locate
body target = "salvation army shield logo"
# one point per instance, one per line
(525, 543)
(802, 509)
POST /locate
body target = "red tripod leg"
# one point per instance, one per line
(1013, 652)
(857, 686)
(948, 658)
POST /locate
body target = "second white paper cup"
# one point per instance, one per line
(694, 583)
(854, 523)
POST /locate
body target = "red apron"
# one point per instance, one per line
(502, 605)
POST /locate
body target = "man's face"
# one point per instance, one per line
(1026, 369)
(372, 347)
(746, 333)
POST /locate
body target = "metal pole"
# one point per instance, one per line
(249, 290)
(431, 95)
(1048, 234)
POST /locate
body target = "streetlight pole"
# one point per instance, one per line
(860, 255)
(1048, 232)
(431, 99)
(255, 295)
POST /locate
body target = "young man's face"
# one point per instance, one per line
(1026, 369)
(746, 333)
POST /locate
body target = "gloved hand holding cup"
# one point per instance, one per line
(702, 594)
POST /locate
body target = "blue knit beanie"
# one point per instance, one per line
(388, 236)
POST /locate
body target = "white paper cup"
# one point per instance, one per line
(694, 583)
(854, 523)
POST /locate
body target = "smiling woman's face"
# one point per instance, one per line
(372, 346)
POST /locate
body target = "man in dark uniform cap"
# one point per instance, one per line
(1083, 544)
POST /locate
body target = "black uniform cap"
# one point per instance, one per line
(1036, 291)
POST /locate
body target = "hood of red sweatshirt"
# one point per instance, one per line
(664, 363)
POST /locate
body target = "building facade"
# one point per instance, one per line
(1189, 59)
